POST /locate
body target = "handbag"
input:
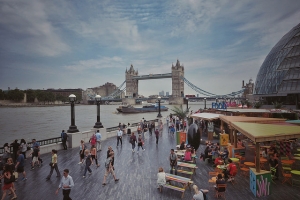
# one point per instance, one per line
(16, 174)
(50, 164)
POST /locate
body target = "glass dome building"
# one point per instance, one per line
(279, 76)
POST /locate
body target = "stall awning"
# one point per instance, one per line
(230, 119)
(266, 132)
(206, 116)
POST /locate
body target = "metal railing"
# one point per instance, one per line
(115, 128)
(41, 143)
(58, 139)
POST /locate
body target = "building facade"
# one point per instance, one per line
(278, 78)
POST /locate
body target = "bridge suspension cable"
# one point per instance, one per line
(201, 91)
(116, 92)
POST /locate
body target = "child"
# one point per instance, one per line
(161, 178)
(172, 130)
(140, 143)
(187, 155)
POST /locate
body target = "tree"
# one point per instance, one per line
(178, 111)
(15, 95)
(277, 105)
(2, 95)
(257, 104)
(31, 94)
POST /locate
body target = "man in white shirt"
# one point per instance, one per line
(98, 138)
(119, 137)
(66, 184)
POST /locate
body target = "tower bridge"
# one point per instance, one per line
(132, 79)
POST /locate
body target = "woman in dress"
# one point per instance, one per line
(11, 167)
(53, 165)
(81, 151)
(7, 184)
(23, 147)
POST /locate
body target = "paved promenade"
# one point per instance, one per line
(137, 174)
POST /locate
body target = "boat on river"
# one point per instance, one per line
(146, 108)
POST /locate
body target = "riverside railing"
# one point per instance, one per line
(58, 139)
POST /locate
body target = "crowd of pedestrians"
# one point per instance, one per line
(14, 163)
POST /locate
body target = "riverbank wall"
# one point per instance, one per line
(74, 139)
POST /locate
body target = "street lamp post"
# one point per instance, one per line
(73, 127)
(98, 124)
(204, 103)
(216, 100)
(159, 115)
(187, 103)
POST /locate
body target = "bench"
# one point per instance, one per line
(175, 188)
(185, 172)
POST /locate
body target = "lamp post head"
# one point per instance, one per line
(186, 98)
(159, 97)
(98, 97)
(72, 98)
(204, 98)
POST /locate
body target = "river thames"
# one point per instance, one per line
(47, 122)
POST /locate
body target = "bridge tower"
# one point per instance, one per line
(132, 85)
(177, 82)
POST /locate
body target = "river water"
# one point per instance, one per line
(47, 122)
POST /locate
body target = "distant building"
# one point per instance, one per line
(197, 95)
(162, 93)
(167, 94)
(103, 90)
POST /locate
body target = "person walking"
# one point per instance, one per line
(93, 140)
(132, 140)
(81, 151)
(88, 162)
(8, 184)
(173, 162)
(109, 151)
(53, 165)
(94, 155)
(156, 135)
(11, 167)
(150, 128)
(140, 143)
(20, 165)
(119, 136)
(98, 138)
(64, 137)
(23, 148)
(109, 169)
(161, 127)
(66, 184)
(35, 158)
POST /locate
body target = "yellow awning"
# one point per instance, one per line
(266, 132)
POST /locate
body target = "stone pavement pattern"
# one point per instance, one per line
(137, 173)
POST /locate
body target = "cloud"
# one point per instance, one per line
(26, 29)
(100, 63)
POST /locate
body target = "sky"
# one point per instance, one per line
(83, 44)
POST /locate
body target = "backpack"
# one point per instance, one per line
(65, 136)
(131, 140)
(108, 160)
(204, 195)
